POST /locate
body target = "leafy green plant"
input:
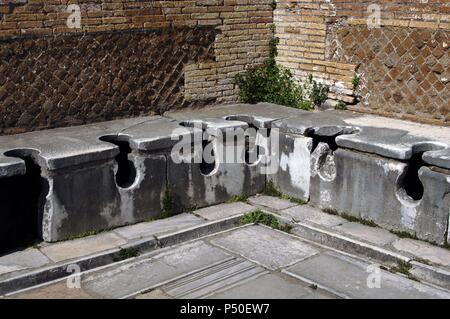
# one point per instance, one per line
(293, 199)
(356, 81)
(270, 83)
(314, 91)
(306, 105)
(259, 217)
(237, 198)
(341, 106)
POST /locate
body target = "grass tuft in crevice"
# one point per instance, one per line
(404, 234)
(258, 217)
(126, 253)
(271, 190)
(404, 268)
(237, 198)
(354, 219)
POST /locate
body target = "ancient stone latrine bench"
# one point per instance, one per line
(63, 183)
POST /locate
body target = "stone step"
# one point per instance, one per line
(127, 279)
(429, 262)
(224, 210)
(351, 278)
(238, 261)
(268, 248)
(32, 267)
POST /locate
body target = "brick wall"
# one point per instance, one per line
(128, 58)
(140, 57)
(403, 63)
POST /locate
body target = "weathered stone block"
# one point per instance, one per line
(80, 200)
(190, 188)
(374, 188)
(73, 183)
(195, 182)
(88, 198)
(391, 143)
(356, 185)
(293, 175)
(432, 211)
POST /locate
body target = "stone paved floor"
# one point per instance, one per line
(250, 261)
(247, 262)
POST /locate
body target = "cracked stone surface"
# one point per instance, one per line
(82, 247)
(423, 250)
(305, 213)
(373, 235)
(440, 158)
(55, 291)
(392, 143)
(349, 277)
(224, 210)
(123, 280)
(70, 147)
(157, 134)
(159, 227)
(271, 202)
